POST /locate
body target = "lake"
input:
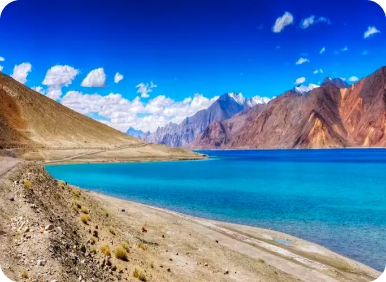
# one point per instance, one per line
(335, 198)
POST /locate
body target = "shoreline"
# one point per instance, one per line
(194, 249)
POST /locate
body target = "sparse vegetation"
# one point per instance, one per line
(75, 208)
(139, 274)
(106, 213)
(261, 260)
(84, 210)
(27, 184)
(42, 177)
(121, 254)
(94, 250)
(85, 218)
(106, 251)
(24, 275)
(58, 195)
(77, 193)
(112, 230)
(92, 240)
(125, 246)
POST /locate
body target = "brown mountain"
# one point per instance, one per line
(35, 127)
(327, 117)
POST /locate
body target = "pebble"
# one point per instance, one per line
(41, 262)
(49, 227)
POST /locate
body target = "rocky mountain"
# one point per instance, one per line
(330, 116)
(338, 82)
(33, 126)
(225, 107)
(135, 133)
(302, 89)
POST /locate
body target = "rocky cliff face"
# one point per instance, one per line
(183, 134)
(330, 116)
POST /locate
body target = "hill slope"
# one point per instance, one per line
(32, 125)
(329, 116)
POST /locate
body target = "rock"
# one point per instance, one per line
(206, 264)
(60, 229)
(108, 262)
(113, 268)
(83, 248)
(226, 271)
(216, 241)
(49, 227)
(96, 226)
(123, 210)
(169, 270)
(41, 262)
(12, 199)
(54, 280)
(95, 233)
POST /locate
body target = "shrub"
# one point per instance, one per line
(84, 210)
(261, 260)
(27, 184)
(94, 250)
(121, 254)
(92, 240)
(106, 214)
(77, 193)
(112, 231)
(125, 246)
(139, 274)
(85, 218)
(106, 251)
(24, 275)
(75, 208)
(58, 195)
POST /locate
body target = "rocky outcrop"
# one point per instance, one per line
(334, 115)
(183, 134)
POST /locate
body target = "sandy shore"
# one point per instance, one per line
(175, 247)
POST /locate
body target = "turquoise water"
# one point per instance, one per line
(336, 198)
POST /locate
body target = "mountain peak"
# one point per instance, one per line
(338, 82)
(302, 89)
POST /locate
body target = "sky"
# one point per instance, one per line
(144, 63)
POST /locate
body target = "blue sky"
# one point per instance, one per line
(185, 47)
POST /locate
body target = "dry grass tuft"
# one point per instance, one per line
(112, 230)
(125, 246)
(85, 218)
(121, 254)
(139, 274)
(84, 210)
(106, 251)
(24, 275)
(27, 184)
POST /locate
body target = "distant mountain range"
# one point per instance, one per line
(135, 133)
(334, 115)
(225, 107)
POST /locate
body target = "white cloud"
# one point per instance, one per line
(370, 31)
(300, 80)
(323, 50)
(96, 78)
(21, 71)
(353, 78)
(1, 68)
(282, 22)
(145, 89)
(147, 116)
(39, 89)
(344, 49)
(118, 77)
(302, 61)
(57, 77)
(2, 59)
(318, 71)
(364, 52)
(60, 76)
(307, 22)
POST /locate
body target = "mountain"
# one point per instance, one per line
(33, 126)
(135, 133)
(183, 134)
(326, 117)
(338, 82)
(302, 89)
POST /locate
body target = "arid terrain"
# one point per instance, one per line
(52, 231)
(329, 116)
(35, 127)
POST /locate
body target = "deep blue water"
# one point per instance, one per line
(336, 198)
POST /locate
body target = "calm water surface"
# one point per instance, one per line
(336, 198)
